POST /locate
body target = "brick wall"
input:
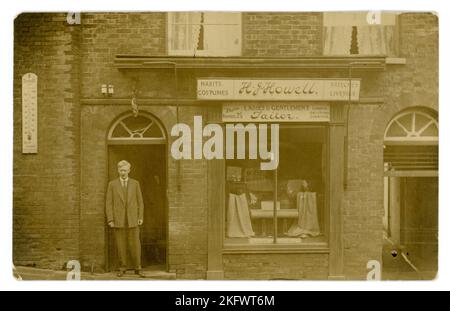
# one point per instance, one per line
(363, 198)
(188, 208)
(275, 266)
(46, 185)
(105, 35)
(282, 34)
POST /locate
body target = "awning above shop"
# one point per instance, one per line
(377, 63)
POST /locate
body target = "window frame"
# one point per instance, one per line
(408, 139)
(396, 41)
(133, 139)
(200, 53)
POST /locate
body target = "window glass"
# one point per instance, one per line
(412, 125)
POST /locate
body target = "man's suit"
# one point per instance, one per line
(124, 207)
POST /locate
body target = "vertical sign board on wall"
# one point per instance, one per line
(29, 113)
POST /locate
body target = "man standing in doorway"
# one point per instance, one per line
(124, 214)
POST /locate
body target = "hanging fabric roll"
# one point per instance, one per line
(307, 223)
(239, 224)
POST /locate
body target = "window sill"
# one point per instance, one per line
(203, 53)
(395, 61)
(316, 248)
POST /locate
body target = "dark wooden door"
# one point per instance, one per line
(148, 166)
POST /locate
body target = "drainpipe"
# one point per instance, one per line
(349, 100)
(175, 73)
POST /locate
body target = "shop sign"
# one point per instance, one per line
(275, 112)
(278, 89)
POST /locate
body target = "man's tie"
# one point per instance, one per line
(125, 196)
(124, 188)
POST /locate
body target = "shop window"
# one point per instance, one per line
(357, 33)
(298, 187)
(204, 34)
(136, 128)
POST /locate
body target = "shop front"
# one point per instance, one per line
(276, 221)
(277, 216)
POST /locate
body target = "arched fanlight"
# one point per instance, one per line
(142, 128)
(411, 142)
(412, 126)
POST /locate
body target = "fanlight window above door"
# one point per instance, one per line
(412, 126)
(138, 129)
(411, 143)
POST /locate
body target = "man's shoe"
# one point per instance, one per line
(140, 273)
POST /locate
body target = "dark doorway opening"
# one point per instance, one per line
(419, 221)
(148, 166)
(412, 228)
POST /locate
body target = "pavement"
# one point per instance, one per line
(31, 273)
(399, 266)
(393, 269)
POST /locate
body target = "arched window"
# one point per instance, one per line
(412, 126)
(411, 142)
(141, 129)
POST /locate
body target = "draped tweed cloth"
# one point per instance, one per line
(307, 223)
(239, 224)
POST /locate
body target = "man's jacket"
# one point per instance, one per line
(121, 202)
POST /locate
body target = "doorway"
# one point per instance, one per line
(411, 195)
(148, 166)
(412, 219)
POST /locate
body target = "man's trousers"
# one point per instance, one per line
(127, 239)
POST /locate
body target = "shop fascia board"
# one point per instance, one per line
(363, 63)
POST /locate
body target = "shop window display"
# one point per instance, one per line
(297, 186)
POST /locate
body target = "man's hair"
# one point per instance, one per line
(123, 163)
